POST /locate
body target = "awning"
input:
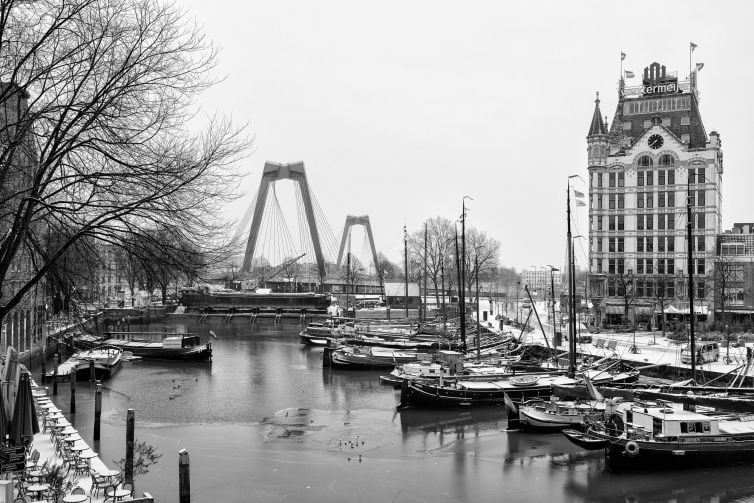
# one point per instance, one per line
(644, 310)
(614, 309)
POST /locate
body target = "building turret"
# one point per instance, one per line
(597, 139)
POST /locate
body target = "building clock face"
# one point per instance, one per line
(655, 141)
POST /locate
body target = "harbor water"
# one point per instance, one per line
(264, 421)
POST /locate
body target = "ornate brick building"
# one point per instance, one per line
(642, 167)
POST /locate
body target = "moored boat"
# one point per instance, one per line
(369, 357)
(555, 414)
(179, 347)
(99, 364)
(638, 433)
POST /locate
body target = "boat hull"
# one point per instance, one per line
(435, 395)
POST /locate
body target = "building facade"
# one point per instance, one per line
(542, 280)
(734, 275)
(643, 168)
(22, 327)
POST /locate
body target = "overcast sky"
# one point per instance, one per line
(400, 108)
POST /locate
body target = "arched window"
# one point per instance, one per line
(645, 161)
(667, 160)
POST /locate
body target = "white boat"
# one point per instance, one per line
(637, 433)
(555, 414)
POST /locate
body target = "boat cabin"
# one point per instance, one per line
(660, 420)
(186, 341)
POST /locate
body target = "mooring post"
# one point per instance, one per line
(97, 410)
(44, 370)
(130, 423)
(55, 375)
(184, 479)
(91, 371)
(73, 391)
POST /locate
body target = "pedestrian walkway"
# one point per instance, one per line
(58, 455)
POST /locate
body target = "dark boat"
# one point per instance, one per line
(180, 347)
(585, 440)
(206, 299)
(98, 364)
(467, 392)
(369, 358)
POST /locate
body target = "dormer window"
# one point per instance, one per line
(645, 161)
(667, 160)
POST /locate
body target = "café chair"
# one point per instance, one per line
(98, 482)
(128, 487)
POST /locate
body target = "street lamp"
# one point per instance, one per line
(552, 294)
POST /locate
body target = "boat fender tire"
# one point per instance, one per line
(632, 448)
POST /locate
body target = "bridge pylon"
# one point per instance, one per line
(297, 173)
(350, 222)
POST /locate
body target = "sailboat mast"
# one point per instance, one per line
(690, 267)
(463, 271)
(460, 296)
(571, 286)
(424, 305)
(478, 328)
(405, 268)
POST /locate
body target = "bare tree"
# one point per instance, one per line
(439, 245)
(728, 286)
(625, 284)
(661, 288)
(96, 113)
(291, 269)
(261, 271)
(482, 254)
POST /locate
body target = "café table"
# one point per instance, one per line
(76, 498)
(72, 437)
(110, 474)
(38, 489)
(88, 456)
(79, 448)
(68, 430)
(35, 475)
(119, 494)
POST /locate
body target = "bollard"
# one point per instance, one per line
(92, 375)
(130, 421)
(184, 479)
(73, 391)
(55, 375)
(97, 410)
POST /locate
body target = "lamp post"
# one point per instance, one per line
(633, 348)
(552, 294)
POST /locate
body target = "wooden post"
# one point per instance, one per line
(55, 375)
(130, 423)
(73, 391)
(97, 410)
(44, 370)
(92, 374)
(184, 480)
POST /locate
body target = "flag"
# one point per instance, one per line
(580, 203)
(577, 193)
(596, 395)
(622, 56)
(699, 67)
(693, 46)
(629, 74)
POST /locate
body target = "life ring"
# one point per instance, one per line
(632, 448)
